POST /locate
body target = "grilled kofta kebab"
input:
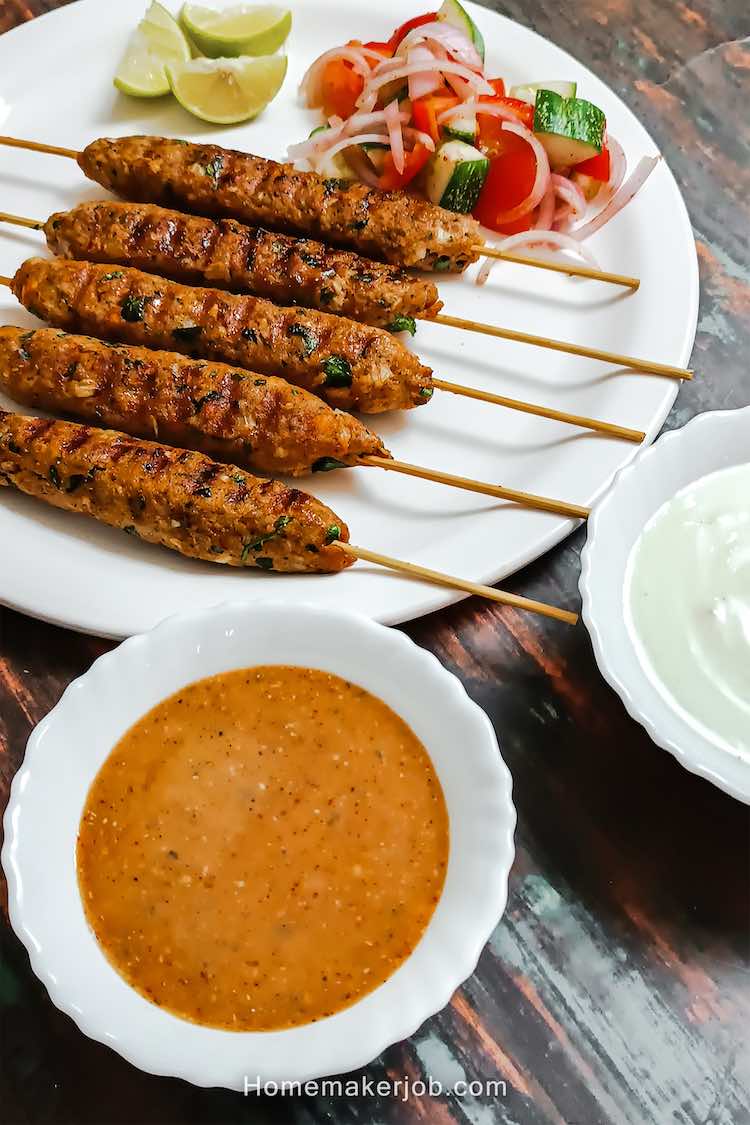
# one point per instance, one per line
(173, 497)
(257, 421)
(395, 227)
(187, 502)
(352, 366)
(286, 269)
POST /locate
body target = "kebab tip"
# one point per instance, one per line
(188, 503)
(572, 269)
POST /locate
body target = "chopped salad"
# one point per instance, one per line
(534, 163)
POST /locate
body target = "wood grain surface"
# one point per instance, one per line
(616, 990)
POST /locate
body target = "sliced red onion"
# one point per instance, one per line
(357, 139)
(459, 86)
(460, 110)
(422, 84)
(309, 87)
(617, 164)
(484, 270)
(380, 77)
(455, 42)
(533, 239)
(490, 109)
(535, 242)
(395, 136)
(313, 145)
(359, 121)
(418, 138)
(368, 102)
(360, 164)
(546, 214)
(574, 201)
(632, 185)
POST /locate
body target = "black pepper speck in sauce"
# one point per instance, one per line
(263, 848)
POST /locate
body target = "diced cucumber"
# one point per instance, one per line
(456, 175)
(528, 92)
(453, 13)
(571, 129)
(462, 128)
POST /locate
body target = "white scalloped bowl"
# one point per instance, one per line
(68, 747)
(712, 441)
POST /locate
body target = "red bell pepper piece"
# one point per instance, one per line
(391, 180)
(425, 112)
(383, 49)
(493, 139)
(598, 167)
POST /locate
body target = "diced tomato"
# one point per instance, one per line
(401, 32)
(498, 86)
(425, 112)
(509, 181)
(493, 139)
(598, 167)
(340, 88)
(391, 180)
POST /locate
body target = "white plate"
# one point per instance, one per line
(69, 570)
(712, 441)
(49, 792)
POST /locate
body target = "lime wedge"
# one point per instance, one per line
(225, 91)
(156, 41)
(243, 29)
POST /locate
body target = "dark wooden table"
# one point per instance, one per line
(617, 987)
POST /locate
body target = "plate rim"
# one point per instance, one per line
(435, 598)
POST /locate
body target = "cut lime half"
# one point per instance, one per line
(243, 29)
(157, 41)
(226, 91)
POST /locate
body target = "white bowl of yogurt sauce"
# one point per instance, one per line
(665, 582)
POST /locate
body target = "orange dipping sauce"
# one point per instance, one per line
(263, 848)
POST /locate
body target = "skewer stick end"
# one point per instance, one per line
(453, 583)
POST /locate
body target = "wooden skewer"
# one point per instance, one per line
(440, 579)
(453, 388)
(572, 268)
(35, 146)
(488, 251)
(20, 221)
(541, 411)
(645, 365)
(527, 499)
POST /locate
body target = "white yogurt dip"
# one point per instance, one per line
(687, 605)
